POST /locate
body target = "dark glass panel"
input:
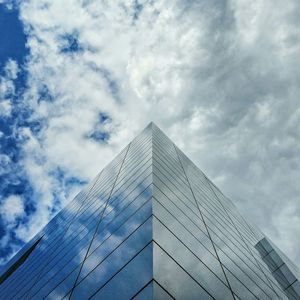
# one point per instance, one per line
(293, 291)
(281, 278)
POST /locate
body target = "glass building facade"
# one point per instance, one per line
(151, 225)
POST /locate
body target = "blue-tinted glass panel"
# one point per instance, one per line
(146, 293)
(130, 279)
(108, 267)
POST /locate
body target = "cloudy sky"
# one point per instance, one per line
(79, 79)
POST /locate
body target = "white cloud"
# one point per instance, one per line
(4, 164)
(12, 208)
(220, 77)
(7, 87)
(11, 69)
(5, 108)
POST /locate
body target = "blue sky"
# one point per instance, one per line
(12, 49)
(79, 80)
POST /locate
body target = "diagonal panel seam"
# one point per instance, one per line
(98, 224)
(27, 293)
(202, 218)
(242, 238)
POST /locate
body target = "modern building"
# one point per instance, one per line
(151, 225)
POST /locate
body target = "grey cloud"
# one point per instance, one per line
(220, 77)
(254, 153)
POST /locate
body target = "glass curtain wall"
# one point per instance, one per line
(151, 225)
